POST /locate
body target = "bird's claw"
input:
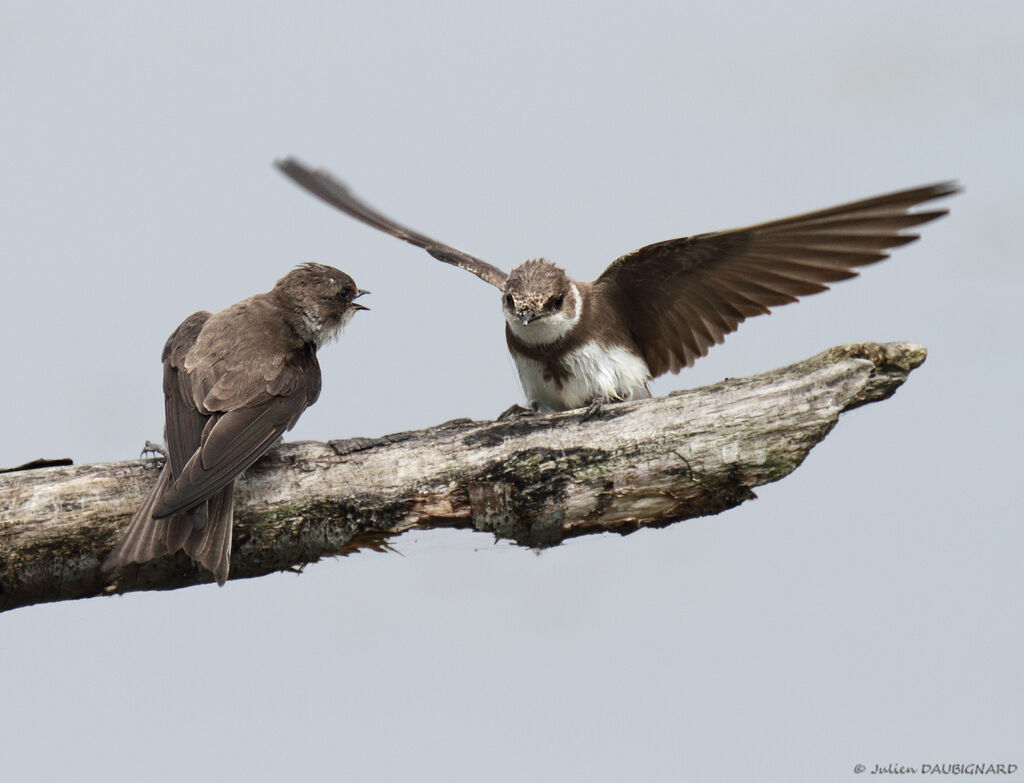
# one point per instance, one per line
(515, 412)
(593, 410)
(152, 448)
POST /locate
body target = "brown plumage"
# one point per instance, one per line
(667, 302)
(335, 193)
(233, 383)
(684, 295)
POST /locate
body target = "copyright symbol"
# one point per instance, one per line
(858, 768)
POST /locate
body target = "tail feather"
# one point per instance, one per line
(178, 528)
(203, 532)
(211, 545)
(144, 539)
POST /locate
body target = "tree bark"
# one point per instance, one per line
(536, 480)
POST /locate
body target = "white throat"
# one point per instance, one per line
(318, 334)
(548, 328)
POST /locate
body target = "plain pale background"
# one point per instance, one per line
(867, 609)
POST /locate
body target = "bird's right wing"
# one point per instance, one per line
(251, 404)
(322, 184)
(236, 440)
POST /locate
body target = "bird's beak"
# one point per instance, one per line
(360, 292)
(355, 305)
(526, 318)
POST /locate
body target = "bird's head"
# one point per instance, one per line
(541, 303)
(322, 297)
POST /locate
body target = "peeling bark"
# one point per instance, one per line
(536, 480)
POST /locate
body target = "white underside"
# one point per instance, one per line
(595, 371)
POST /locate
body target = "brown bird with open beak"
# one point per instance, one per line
(234, 382)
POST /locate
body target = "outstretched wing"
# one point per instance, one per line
(681, 296)
(320, 183)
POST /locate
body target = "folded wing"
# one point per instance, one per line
(146, 537)
(241, 428)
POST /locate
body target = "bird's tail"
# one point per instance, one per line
(204, 532)
(211, 543)
(145, 538)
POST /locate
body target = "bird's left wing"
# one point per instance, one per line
(144, 539)
(681, 296)
(184, 423)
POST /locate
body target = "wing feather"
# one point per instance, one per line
(183, 423)
(146, 537)
(681, 296)
(237, 439)
(325, 186)
(249, 400)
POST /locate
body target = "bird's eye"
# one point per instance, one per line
(555, 303)
(508, 300)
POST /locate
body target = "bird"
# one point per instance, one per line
(233, 382)
(660, 308)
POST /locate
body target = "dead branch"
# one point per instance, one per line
(536, 480)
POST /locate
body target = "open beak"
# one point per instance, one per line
(355, 305)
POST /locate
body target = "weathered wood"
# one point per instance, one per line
(536, 480)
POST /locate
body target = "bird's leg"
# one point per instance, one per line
(153, 448)
(515, 412)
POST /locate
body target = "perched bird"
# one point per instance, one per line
(234, 381)
(659, 308)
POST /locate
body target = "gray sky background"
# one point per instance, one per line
(867, 609)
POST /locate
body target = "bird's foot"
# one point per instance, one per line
(154, 449)
(595, 408)
(515, 412)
